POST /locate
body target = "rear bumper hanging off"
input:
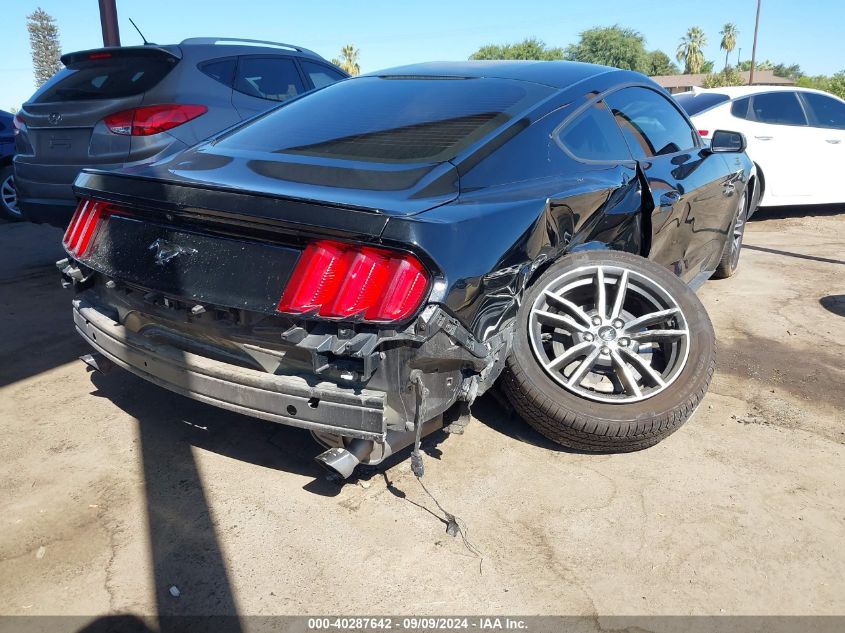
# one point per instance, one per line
(293, 400)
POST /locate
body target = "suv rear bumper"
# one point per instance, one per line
(45, 192)
(293, 400)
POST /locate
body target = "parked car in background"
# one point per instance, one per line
(8, 195)
(796, 137)
(120, 107)
(361, 275)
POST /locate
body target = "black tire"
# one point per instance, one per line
(583, 424)
(729, 263)
(8, 198)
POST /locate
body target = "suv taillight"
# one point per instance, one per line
(19, 124)
(340, 281)
(152, 119)
(89, 217)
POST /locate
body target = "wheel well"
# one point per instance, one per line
(762, 180)
(5, 161)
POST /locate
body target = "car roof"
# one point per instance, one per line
(557, 74)
(235, 44)
(735, 92)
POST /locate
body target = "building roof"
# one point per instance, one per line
(761, 78)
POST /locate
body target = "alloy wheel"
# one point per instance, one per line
(609, 333)
(9, 196)
(738, 230)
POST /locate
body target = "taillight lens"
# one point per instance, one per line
(19, 124)
(340, 281)
(153, 119)
(87, 219)
(703, 132)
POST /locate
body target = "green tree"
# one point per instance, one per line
(792, 71)
(348, 60)
(691, 50)
(764, 65)
(834, 85)
(658, 63)
(729, 34)
(44, 43)
(529, 48)
(728, 77)
(611, 46)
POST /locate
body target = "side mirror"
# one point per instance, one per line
(728, 142)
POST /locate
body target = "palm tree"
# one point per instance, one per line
(691, 50)
(348, 59)
(729, 34)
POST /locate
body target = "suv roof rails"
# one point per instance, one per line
(236, 40)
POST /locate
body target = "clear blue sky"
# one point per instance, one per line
(392, 32)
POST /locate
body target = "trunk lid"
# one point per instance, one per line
(384, 188)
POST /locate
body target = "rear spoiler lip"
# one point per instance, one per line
(147, 50)
(310, 217)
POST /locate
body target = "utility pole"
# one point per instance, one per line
(754, 48)
(108, 21)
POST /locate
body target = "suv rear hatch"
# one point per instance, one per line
(64, 119)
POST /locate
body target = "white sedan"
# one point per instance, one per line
(796, 137)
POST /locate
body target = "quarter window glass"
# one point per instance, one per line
(594, 136)
(319, 74)
(273, 78)
(739, 108)
(222, 70)
(778, 108)
(827, 111)
(650, 123)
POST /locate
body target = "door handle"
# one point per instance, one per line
(833, 141)
(669, 198)
(764, 138)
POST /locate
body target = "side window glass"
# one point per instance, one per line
(273, 78)
(778, 108)
(320, 74)
(826, 111)
(650, 123)
(739, 108)
(594, 136)
(222, 70)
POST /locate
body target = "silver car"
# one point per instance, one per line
(118, 107)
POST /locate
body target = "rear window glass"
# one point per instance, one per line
(273, 78)
(694, 103)
(778, 108)
(105, 79)
(320, 74)
(395, 119)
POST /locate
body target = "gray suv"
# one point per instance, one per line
(118, 107)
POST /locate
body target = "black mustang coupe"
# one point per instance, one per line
(366, 260)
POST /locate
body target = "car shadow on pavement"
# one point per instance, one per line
(493, 410)
(190, 574)
(798, 211)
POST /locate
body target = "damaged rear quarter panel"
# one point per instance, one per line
(520, 209)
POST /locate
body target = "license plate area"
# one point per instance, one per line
(193, 266)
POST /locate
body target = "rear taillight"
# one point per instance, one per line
(153, 119)
(342, 281)
(19, 124)
(703, 132)
(87, 219)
